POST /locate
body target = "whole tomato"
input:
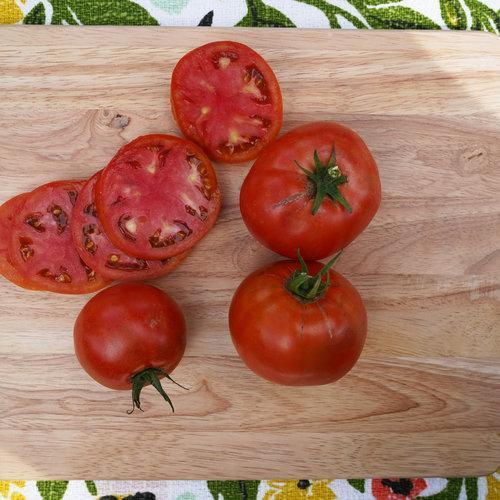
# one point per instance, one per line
(130, 335)
(298, 324)
(316, 188)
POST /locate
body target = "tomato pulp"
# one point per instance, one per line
(226, 98)
(314, 189)
(157, 197)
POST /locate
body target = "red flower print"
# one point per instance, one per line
(397, 488)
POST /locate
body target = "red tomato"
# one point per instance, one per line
(294, 328)
(40, 246)
(226, 98)
(97, 251)
(314, 189)
(130, 335)
(157, 197)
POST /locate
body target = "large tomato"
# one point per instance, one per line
(130, 335)
(296, 328)
(226, 98)
(314, 189)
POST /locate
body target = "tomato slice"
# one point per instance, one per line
(157, 197)
(40, 246)
(7, 213)
(97, 251)
(226, 98)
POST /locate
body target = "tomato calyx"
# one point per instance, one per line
(146, 377)
(325, 181)
(306, 287)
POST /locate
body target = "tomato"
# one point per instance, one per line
(7, 213)
(40, 246)
(130, 335)
(296, 328)
(97, 251)
(157, 197)
(315, 189)
(226, 98)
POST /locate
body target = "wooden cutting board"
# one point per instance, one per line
(425, 396)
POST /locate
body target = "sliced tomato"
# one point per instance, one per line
(226, 98)
(40, 246)
(7, 213)
(97, 251)
(157, 197)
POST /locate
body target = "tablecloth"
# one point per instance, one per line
(481, 15)
(418, 14)
(487, 488)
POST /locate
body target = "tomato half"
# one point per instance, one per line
(226, 98)
(40, 246)
(157, 197)
(314, 189)
(97, 251)
(130, 335)
(296, 328)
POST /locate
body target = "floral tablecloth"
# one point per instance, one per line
(419, 14)
(481, 15)
(487, 488)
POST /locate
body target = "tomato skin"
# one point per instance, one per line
(127, 328)
(276, 198)
(292, 342)
(189, 79)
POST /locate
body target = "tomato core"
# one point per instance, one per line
(307, 288)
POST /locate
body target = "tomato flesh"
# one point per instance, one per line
(126, 329)
(97, 251)
(7, 213)
(40, 246)
(313, 343)
(226, 98)
(157, 197)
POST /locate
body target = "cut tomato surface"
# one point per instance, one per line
(97, 251)
(7, 213)
(226, 98)
(40, 246)
(157, 197)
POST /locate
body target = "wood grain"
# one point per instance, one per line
(425, 396)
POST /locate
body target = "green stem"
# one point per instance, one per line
(306, 287)
(326, 180)
(149, 376)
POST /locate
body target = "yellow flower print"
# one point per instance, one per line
(299, 490)
(493, 486)
(10, 13)
(5, 489)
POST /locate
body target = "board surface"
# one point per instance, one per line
(425, 396)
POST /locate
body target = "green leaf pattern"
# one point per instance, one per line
(482, 15)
